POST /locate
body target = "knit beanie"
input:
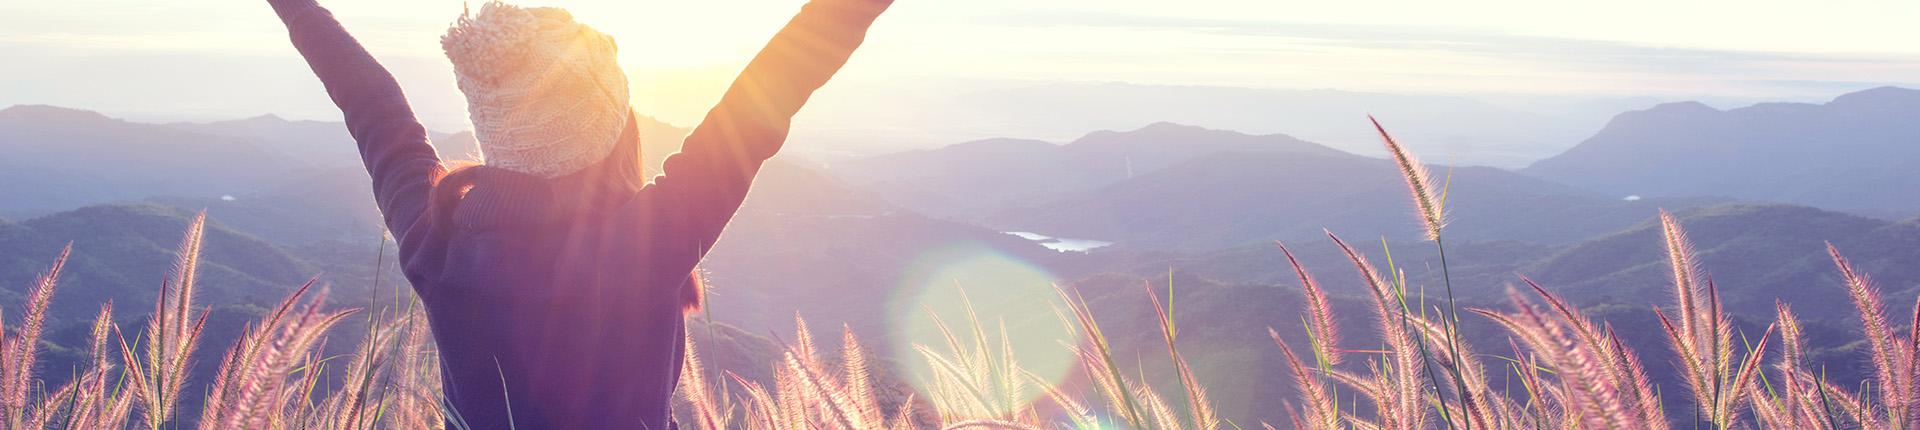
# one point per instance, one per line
(545, 93)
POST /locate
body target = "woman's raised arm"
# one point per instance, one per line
(392, 142)
(708, 179)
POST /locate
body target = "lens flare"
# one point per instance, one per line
(1008, 297)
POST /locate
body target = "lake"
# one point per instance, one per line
(1060, 243)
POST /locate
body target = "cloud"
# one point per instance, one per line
(1802, 71)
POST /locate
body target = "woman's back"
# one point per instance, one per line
(555, 300)
(561, 311)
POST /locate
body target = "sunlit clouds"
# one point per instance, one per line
(205, 59)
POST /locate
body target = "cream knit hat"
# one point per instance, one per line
(544, 92)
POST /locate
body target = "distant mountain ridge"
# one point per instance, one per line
(315, 142)
(1233, 199)
(979, 178)
(327, 143)
(1170, 186)
(1488, 131)
(59, 158)
(262, 171)
(1858, 152)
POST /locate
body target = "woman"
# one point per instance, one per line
(554, 275)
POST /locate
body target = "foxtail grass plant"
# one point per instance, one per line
(1430, 206)
(268, 379)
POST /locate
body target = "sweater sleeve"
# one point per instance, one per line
(708, 180)
(392, 142)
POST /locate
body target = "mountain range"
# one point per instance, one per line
(61, 158)
(1170, 186)
(860, 240)
(983, 177)
(823, 230)
(1855, 153)
(1483, 130)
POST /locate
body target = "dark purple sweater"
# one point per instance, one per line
(562, 305)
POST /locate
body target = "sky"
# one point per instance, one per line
(211, 59)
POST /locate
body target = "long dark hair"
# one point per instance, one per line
(621, 173)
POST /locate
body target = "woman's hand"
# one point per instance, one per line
(288, 10)
(709, 178)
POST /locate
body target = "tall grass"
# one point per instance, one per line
(1571, 370)
(268, 379)
(1578, 374)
